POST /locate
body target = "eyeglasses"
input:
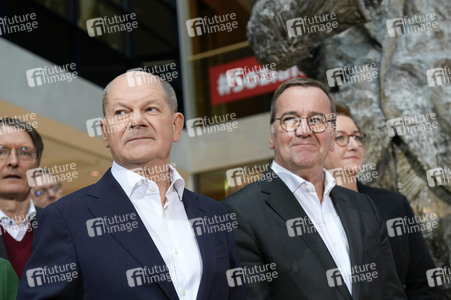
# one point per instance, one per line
(23, 153)
(317, 123)
(342, 139)
(43, 191)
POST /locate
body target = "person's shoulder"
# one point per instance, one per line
(362, 201)
(75, 200)
(383, 195)
(347, 193)
(390, 204)
(245, 196)
(204, 201)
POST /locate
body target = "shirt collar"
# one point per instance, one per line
(293, 181)
(128, 180)
(31, 213)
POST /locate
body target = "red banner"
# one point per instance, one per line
(245, 78)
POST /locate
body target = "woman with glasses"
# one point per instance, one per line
(411, 255)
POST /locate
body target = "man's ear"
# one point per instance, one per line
(332, 145)
(105, 136)
(177, 126)
(271, 137)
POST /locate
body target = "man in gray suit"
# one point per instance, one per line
(323, 241)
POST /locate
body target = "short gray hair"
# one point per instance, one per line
(168, 90)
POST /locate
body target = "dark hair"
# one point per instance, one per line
(302, 82)
(32, 132)
(168, 90)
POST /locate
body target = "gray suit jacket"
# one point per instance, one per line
(267, 212)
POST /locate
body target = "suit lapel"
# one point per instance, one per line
(206, 243)
(350, 219)
(138, 242)
(285, 204)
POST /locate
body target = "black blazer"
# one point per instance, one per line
(411, 255)
(263, 209)
(3, 252)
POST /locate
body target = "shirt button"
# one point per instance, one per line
(176, 252)
(152, 189)
(183, 293)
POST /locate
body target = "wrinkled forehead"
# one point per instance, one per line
(14, 133)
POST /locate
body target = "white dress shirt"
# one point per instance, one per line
(10, 225)
(168, 226)
(323, 216)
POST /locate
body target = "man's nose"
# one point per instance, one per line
(12, 159)
(137, 120)
(303, 129)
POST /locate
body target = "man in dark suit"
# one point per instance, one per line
(326, 242)
(129, 236)
(21, 149)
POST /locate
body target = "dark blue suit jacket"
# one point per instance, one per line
(73, 259)
(411, 255)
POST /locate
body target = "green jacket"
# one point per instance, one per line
(9, 283)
